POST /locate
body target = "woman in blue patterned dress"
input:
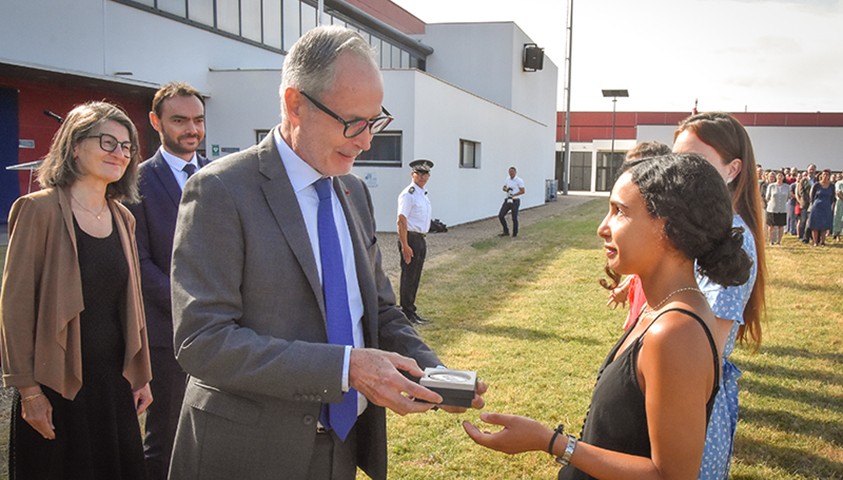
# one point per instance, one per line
(838, 208)
(821, 218)
(724, 142)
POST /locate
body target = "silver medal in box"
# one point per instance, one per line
(455, 386)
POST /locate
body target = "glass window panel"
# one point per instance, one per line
(405, 59)
(148, 3)
(251, 18)
(376, 43)
(607, 168)
(468, 154)
(260, 134)
(385, 150)
(308, 17)
(580, 171)
(386, 55)
(292, 25)
(396, 57)
(228, 16)
(201, 11)
(176, 7)
(272, 23)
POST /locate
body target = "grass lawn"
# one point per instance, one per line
(529, 316)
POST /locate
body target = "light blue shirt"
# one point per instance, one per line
(177, 164)
(302, 177)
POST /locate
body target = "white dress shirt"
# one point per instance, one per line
(177, 164)
(302, 177)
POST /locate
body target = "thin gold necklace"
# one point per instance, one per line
(83, 207)
(679, 290)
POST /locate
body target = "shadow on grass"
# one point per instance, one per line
(781, 351)
(814, 287)
(524, 333)
(802, 395)
(831, 432)
(765, 368)
(791, 460)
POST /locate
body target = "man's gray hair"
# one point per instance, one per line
(311, 62)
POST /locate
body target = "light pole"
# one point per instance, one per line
(614, 94)
(566, 155)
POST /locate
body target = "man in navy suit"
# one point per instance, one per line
(178, 115)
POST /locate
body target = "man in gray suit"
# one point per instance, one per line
(255, 290)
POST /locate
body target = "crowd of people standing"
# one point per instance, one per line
(802, 203)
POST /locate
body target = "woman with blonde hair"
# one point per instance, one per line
(72, 330)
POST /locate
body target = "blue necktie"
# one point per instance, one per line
(341, 416)
(189, 169)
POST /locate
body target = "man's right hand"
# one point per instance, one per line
(407, 253)
(375, 374)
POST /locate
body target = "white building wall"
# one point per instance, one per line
(101, 37)
(775, 147)
(778, 147)
(486, 59)
(433, 116)
(474, 56)
(242, 102)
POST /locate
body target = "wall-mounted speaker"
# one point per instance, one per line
(533, 57)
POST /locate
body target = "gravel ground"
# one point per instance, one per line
(439, 245)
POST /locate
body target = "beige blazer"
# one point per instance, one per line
(41, 298)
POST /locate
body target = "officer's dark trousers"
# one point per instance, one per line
(506, 207)
(411, 272)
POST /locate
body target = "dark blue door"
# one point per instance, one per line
(9, 186)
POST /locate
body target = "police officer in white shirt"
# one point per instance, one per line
(414, 212)
(514, 188)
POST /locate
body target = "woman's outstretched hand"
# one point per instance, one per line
(519, 434)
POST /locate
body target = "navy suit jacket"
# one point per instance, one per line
(156, 224)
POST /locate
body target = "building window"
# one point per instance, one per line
(384, 152)
(469, 154)
(228, 16)
(271, 24)
(260, 134)
(176, 7)
(580, 171)
(608, 164)
(201, 11)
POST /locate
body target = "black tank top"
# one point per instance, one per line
(617, 418)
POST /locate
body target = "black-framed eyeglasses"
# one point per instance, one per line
(109, 144)
(355, 127)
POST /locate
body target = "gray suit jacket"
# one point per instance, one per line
(250, 323)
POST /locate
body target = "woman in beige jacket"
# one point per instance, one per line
(72, 330)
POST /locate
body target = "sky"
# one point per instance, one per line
(730, 55)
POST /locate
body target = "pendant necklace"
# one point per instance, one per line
(104, 205)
